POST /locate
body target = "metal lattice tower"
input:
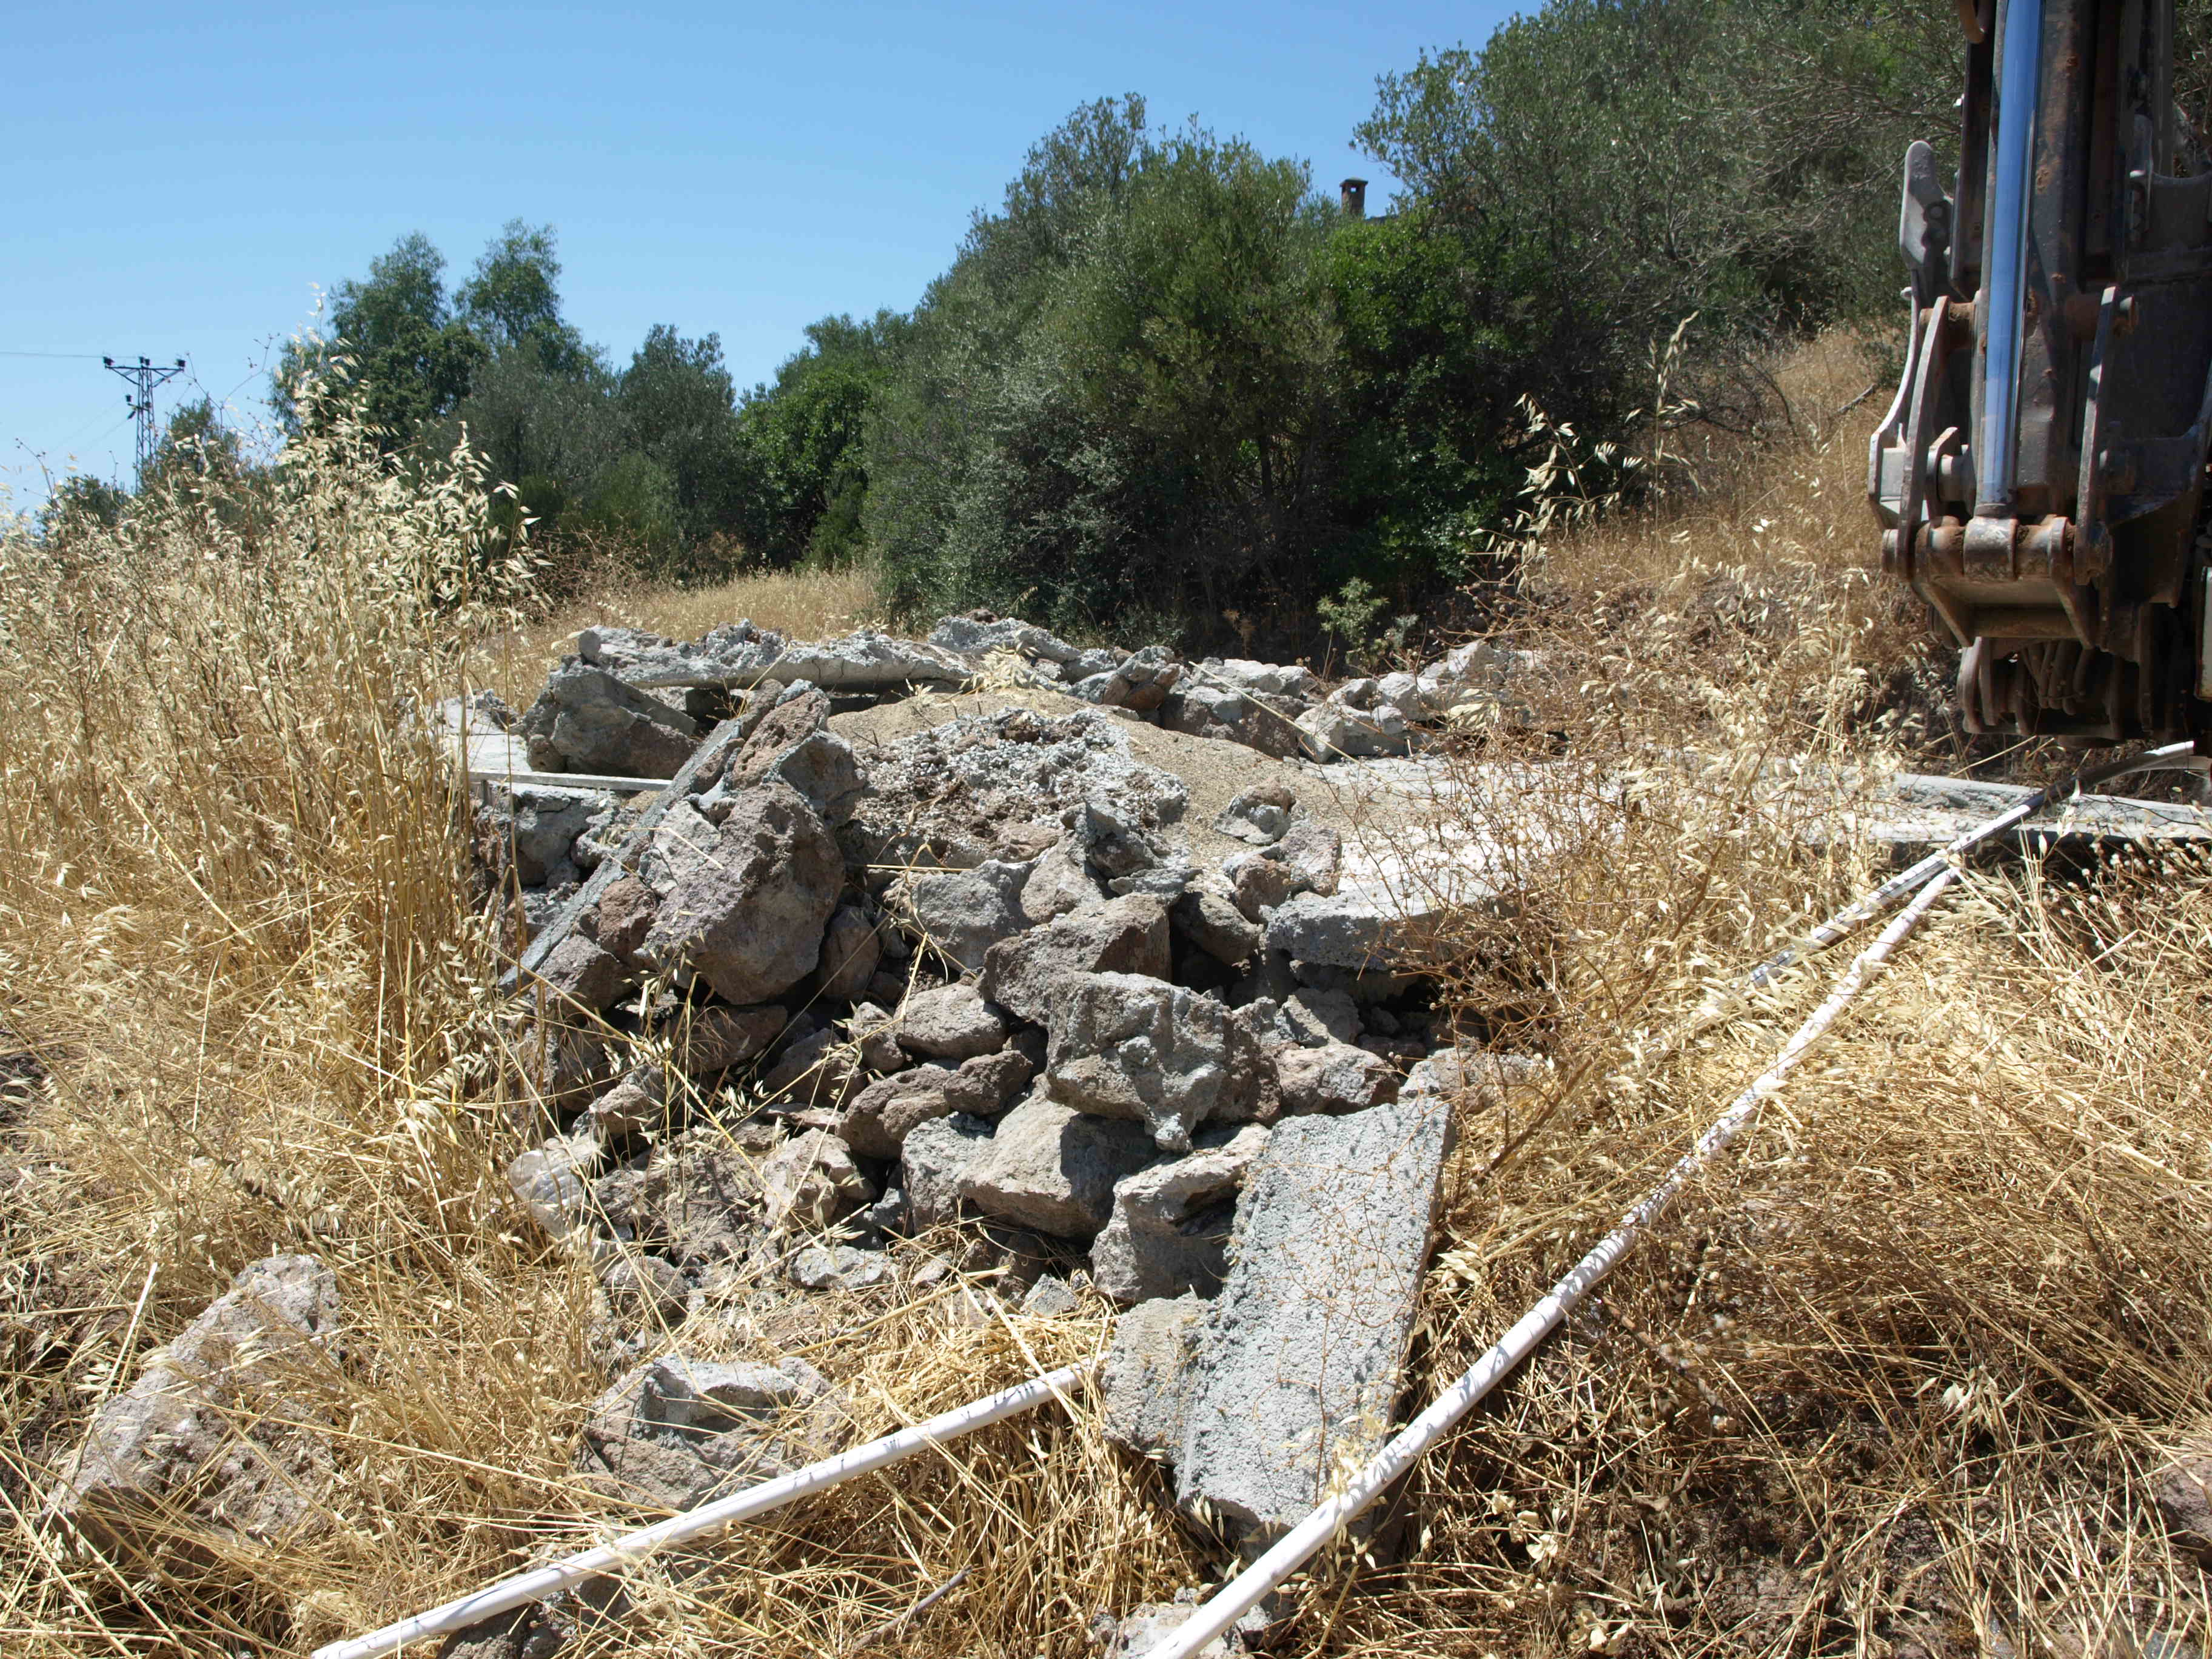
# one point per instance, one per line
(142, 378)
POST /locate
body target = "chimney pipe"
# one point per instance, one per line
(1352, 194)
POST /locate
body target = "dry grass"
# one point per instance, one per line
(1891, 1382)
(807, 604)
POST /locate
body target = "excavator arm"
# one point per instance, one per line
(2039, 478)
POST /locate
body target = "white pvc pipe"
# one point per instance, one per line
(542, 1581)
(2174, 757)
(1243, 1593)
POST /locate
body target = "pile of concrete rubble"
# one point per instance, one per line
(886, 956)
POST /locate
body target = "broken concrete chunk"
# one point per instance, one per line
(963, 913)
(1357, 927)
(1126, 1046)
(997, 786)
(839, 1267)
(1053, 1169)
(1058, 883)
(933, 1160)
(1311, 1016)
(1147, 1376)
(623, 917)
(821, 1069)
(552, 1181)
(583, 975)
(1334, 1077)
(1169, 1230)
(751, 924)
(219, 1431)
(811, 1182)
(637, 1104)
(1474, 1079)
(1299, 1364)
(1051, 1297)
(981, 635)
(1337, 731)
(713, 1040)
(1030, 974)
(1207, 916)
(950, 1022)
(1260, 815)
(587, 720)
(882, 1115)
(677, 1432)
(851, 952)
(684, 843)
(641, 1286)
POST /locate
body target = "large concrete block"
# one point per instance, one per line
(1299, 1361)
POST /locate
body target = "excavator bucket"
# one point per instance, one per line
(2039, 478)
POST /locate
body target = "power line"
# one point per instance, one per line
(72, 357)
(141, 377)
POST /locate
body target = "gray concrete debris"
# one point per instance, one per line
(839, 1267)
(751, 924)
(221, 1431)
(584, 977)
(820, 767)
(1053, 1169)
(1058, 881)
(542, 826)
(933, 1160)
(739, 656)
(1276, 682)
(885, 1114)
(811, 1182)
(980, 636)
(1334, 1078)
(1169, 1233)
(950, 1022)
(1126, 1046)
(1357, 926)
(643, 1286)
(620, 920)
(624, 859)
(710, 1040)
(1298, 1371)
(1030, 974)
(637, 1104)
(851, 951)
(553, 1181)
(962, 914)
(1337, 730)
(563, 1062)
(1207, 916)
(1140, 684)
(1145, 1629)
(996, 785)
(1307, 858)
(873, 1033)
(821, 1069)
(696, 1198)
(882, 1116)
(1051, 1297)
(1474, 1079)
(587, 720)
(677, 1432)
(1260, 815)
(1147, 1376)
(1199, 709)
(1311, 1016)
(684, 842)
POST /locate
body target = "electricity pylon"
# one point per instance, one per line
(142, 378)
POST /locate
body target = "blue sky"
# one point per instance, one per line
(180, 178)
